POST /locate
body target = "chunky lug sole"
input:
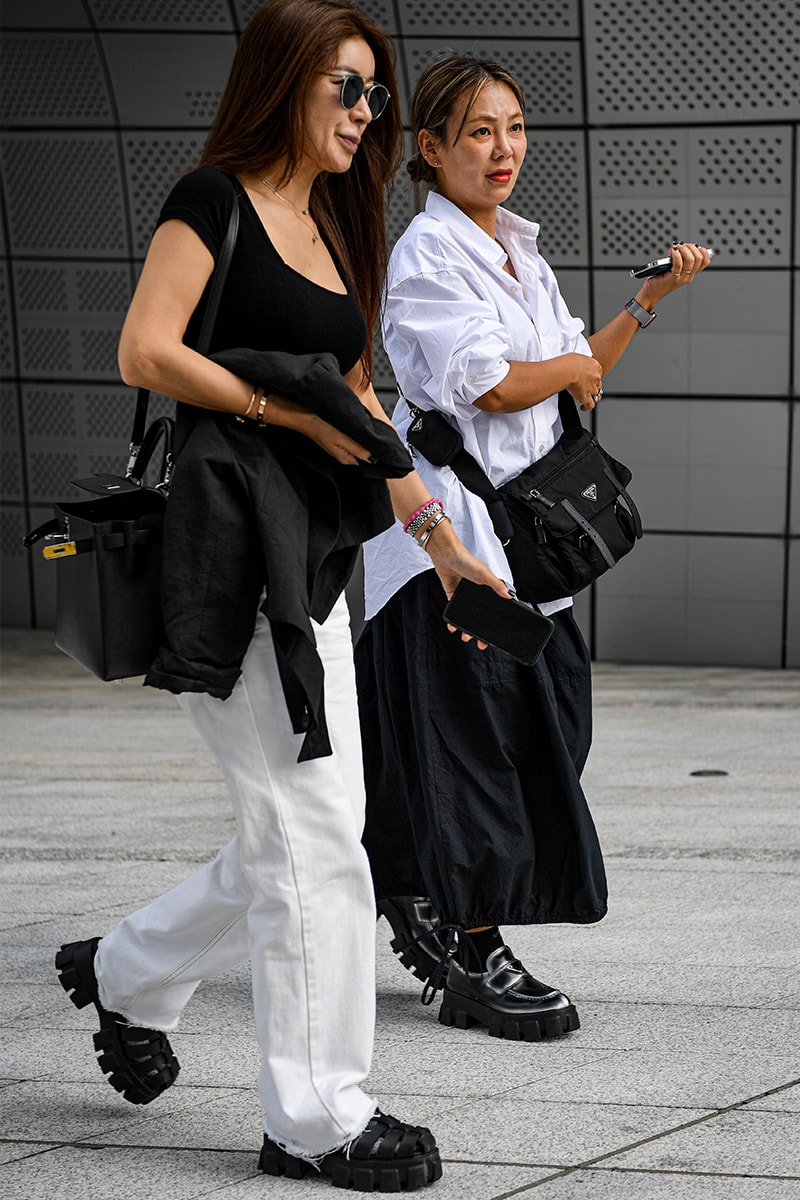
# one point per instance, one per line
(139, 1063)
(372, 1174)
(463, 1012)
(420, 958)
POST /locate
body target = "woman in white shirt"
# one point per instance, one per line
(476, 817)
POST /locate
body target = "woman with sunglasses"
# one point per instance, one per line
(475, 815)
(297, 144)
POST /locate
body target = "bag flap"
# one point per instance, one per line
(103, 485)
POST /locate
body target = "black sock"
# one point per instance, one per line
(479, 946)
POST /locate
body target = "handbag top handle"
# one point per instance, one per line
(206, 329)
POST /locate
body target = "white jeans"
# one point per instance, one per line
(291, 891)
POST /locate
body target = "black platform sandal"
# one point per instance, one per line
(389, 1156)
(139, 1063)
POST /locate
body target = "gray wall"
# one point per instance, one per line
(646, 122)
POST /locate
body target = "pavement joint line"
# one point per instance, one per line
(655, 1137)
(698, 1173)
(558, 1168)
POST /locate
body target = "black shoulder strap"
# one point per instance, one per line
(437, 440)
(207, 328)
(568, 411)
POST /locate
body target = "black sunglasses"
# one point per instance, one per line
(353, 88)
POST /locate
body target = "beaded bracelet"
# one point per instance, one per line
(418, 519)
(442, 516)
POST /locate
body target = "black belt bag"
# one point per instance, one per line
(564, 521)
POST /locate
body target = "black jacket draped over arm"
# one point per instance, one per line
(253, 509)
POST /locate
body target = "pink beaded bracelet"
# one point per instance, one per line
(429, 504)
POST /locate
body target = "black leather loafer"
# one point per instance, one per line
(389, 1156)
(139, 1063)
(413, 917)
(507, 999)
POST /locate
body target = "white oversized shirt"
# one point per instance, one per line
(453, 321)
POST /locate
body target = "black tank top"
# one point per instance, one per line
(265, 304)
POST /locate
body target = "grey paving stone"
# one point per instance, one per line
(11, 1151)
(692, 1078)
(526, 1130)
(460, 1181)
(611, 1184)
(738, 1143)
(688, 992)
(786, 1100)
(471, 1063)
(110, 1173)
(66, 1112)
(211, 1119)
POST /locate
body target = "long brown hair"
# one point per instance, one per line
(260, 124)
(439, 89)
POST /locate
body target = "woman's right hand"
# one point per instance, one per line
(334, 442)
(587, 385)
(453, 562)
(291, 415)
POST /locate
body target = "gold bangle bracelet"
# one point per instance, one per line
(241, 419)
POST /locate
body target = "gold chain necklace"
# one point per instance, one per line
(301, 212)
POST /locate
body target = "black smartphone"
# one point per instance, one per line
(508, 625)
(656, 267)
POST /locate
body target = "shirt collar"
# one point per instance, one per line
(441, 209)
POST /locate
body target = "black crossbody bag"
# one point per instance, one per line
(107, 550)
(564, 521)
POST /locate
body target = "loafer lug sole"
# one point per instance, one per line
(464, 1012)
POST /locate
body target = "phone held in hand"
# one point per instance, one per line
(657, 267)
(508, 625)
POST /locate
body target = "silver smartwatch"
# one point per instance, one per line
(640, 314)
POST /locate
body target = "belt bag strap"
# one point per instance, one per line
(434, 437)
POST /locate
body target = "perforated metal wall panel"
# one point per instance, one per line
(53, 79)
(384, 13)
(496, 18)
(692, 60)
(549, 72)
(64, 195)
(188, 15)
(728, 189)
(175, 79)
(153, 162)
(675, 120)
(552, 191)
(44, 14)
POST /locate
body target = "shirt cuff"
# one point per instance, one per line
(481, 380)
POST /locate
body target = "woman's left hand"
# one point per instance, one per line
(688, 261)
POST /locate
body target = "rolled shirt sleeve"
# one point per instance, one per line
(448, 338)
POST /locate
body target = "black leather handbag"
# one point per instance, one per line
(564, 521)
(107, 550)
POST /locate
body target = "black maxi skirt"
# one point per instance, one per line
(472, 767)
